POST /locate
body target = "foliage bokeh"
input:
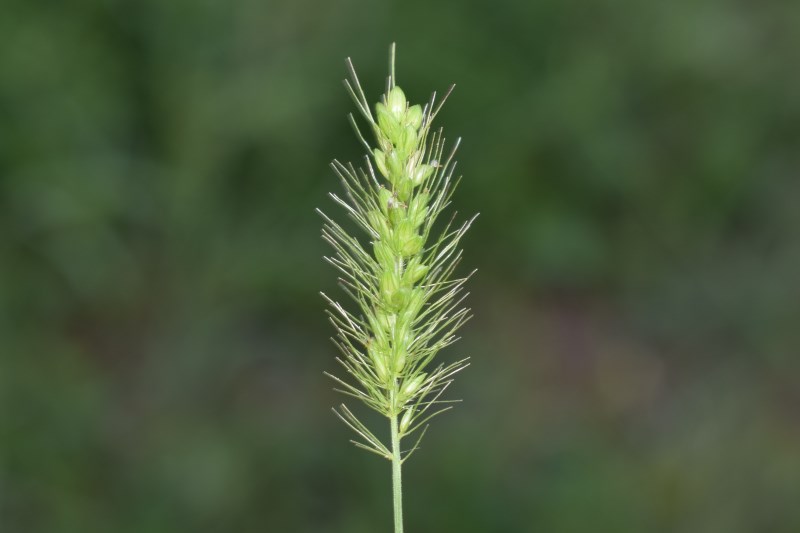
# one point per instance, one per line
(635, 346)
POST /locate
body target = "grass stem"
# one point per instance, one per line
(397, 483)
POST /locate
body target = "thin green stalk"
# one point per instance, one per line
(397, 478)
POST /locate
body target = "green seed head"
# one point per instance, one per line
(399, 274)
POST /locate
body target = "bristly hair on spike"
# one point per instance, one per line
(399, 273)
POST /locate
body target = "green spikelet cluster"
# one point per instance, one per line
(399, 275)
(396, 222)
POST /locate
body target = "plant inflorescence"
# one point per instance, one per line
(400, 274)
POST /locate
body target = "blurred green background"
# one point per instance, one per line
(637, 332)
